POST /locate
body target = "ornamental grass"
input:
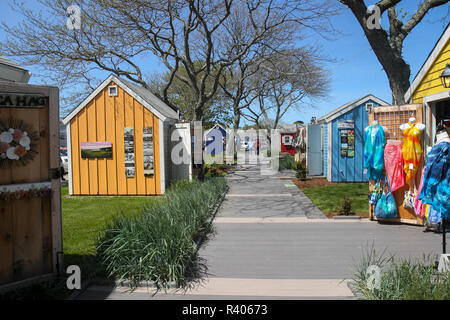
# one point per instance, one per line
(160, 245)
(400, 279)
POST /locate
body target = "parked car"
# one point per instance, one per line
(250, 145)
(64, 161)
(245, 145)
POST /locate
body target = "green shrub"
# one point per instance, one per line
(402, 280)
(286, 163)
(223, 166)
(345, 208)
(296, 165)
(301, 171)
(160, 244)
(215, 170)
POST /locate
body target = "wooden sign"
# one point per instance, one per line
(21, 100)
(346, 124)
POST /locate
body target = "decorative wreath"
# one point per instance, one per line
(18, 142)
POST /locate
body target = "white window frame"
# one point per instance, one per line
(289, 138)
(111, 94)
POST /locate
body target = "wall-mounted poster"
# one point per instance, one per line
(93, 150)
(148, 151)
(351, 144)
(344, 143)
(128, 138)
(347, 143)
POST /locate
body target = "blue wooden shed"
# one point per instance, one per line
(343, 139)
(215, 139)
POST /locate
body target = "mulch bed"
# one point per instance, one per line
(311, 183)
(330, 215)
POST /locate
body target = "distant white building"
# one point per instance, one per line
(9, 71)
(62, 135)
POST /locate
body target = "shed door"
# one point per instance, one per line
(314, 150)
(181, 152)
(30, 207)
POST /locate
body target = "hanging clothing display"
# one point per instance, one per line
(411, 151)
(393, 162)
(436, 181)
(419, 207)
(374, 152)
(301, 139)
(433, 215)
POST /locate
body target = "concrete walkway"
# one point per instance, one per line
(254, 195)
(271, 242)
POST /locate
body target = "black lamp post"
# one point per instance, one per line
(445, 76)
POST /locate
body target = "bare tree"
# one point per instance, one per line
(237, 87)
(116, 36)
(216, 110)
(388, 45)
(286, 80)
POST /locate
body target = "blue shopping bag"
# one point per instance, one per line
(386, 207)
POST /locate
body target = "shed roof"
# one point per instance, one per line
(218, 127)
(289, 128)
(350, 106)
(13, 72)
(141, 94)
(428, 63)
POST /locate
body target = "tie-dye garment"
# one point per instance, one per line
(436, 180)
(393, 163)
(418, 205)
(412, 151)
(374, 152)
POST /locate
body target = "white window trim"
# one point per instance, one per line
(430, 102)
(109, 91)
(69, 157)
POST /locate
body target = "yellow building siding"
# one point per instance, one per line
(431, 83)
(104, 119)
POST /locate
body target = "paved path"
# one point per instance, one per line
(254, 195)
(271, 242)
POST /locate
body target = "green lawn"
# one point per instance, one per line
(328, 198)
(85, 218)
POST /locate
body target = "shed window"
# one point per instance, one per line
(287, 140)
(112, 91)
(369, 107)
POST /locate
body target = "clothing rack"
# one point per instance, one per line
(391, 117)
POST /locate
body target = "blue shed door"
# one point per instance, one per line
(314, 150)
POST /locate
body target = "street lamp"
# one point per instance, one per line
(445, 76)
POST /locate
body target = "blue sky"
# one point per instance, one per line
(356, 71)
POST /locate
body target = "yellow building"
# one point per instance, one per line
(428, 88)
(118, 141)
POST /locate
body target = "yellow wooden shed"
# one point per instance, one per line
(427, 88)
(118, 141)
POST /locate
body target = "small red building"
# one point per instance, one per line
(287, 145)
(288, 135)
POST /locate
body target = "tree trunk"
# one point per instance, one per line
(390, 57)
(237, 118)
(398, 74)
(199, 111)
